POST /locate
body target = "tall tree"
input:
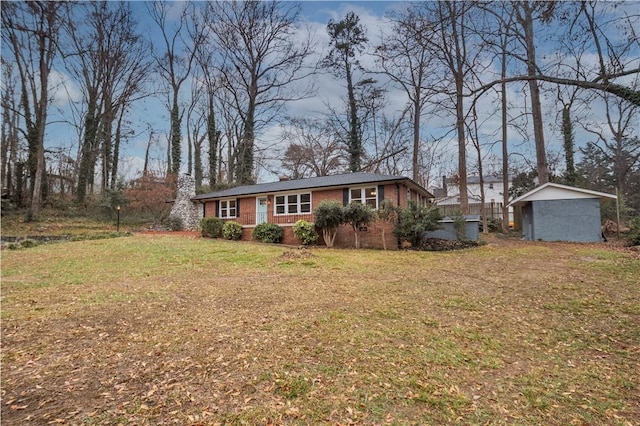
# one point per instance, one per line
(606, 29)
(32, 32)
(175, 61)
(618, 141)
(448, 23)
(106, 57)
(526, 13)
(262, 55)
(405, 57)
(347, 40)
(10, 132)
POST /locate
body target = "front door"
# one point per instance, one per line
(261, 210)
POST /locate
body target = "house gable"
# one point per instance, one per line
(554, 191)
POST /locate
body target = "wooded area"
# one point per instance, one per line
(227, 73)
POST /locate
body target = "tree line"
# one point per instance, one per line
(227, 71)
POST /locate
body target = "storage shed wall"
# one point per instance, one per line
(576, 220)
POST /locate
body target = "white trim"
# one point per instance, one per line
(557, 191)
(363, 199)
(298, 203)
(227, 209)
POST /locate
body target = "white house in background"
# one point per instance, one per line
(449, 194)
(448, 197)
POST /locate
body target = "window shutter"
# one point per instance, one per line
(237, 207)
(216, 208)
(345, 196)
(380, 193)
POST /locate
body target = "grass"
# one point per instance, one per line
(156, 328)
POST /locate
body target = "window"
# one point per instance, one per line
(292, 203)
(227, 209)
(368, 196)
(490, 186)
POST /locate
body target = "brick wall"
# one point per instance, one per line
(369, 238)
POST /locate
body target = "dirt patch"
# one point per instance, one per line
(297, 254)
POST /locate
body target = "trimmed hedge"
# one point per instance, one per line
(305, 232)
(268, 233)
(211, 227)
(232, 230)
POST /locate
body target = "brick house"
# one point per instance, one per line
(287, 201)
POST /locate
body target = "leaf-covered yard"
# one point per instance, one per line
(157, 329)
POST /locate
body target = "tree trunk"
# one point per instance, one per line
(534, 89)
(354, 144)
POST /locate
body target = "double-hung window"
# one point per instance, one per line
(227, 209)
(368, 196)
(292, 203)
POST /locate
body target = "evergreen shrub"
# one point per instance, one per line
(211, 227)
(268, 233)
(305, 232)
(232, 230)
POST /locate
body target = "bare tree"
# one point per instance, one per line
(622, 148)
(405, 57)
(10, 133)
(32, 32)
(175, 61)
(107, 58)
(447, 23)
(262, 65)
(312, 149)
(599, 30)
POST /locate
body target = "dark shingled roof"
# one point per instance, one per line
(311, 183)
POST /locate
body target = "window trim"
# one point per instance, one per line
(227, 209)
(298, 203)
(363, 199)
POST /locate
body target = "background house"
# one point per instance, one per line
(554, 212)
(447, 197)
(286, 201)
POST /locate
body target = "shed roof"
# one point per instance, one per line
(556, 191)
(342, 180)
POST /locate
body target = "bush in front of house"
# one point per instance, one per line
(305, 232)
(232, 230)
(174, 223)
(268, 233)
(358, 215)
(211, 227)
(329, 215)
(414, 221)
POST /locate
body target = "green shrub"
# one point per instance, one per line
(494, 224)
(414, 221)
(329, 216)
(211, 227)
(305, 232)
(358, 215)
(174, 223)
(460, 226)
(28, 243)
(268, 233)
(232, 230)
(633, 236)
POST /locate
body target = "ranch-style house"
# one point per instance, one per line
(286, 201)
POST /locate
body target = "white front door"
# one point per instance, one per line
(261, 210)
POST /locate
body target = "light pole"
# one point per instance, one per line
(118, 222)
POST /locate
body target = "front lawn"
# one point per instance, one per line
(157, 329)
